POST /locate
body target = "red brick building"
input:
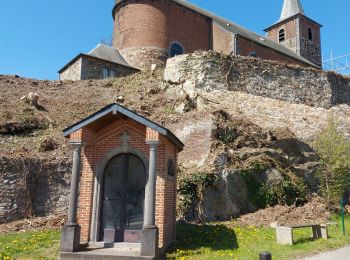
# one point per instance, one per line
(150, 31)
(123, 196)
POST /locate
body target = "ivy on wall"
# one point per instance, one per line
(190, 192)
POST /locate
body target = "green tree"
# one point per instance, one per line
(334, 171)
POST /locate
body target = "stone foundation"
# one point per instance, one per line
(144, 57)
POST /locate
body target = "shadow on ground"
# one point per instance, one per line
(213, 237)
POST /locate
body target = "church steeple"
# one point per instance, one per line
(291, 8)
(297, 32)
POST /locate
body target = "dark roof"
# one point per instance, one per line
(104, 53)
(116, 108)
(237, 29)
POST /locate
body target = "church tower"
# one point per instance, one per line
(297, 32)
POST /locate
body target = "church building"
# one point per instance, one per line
(150, 31)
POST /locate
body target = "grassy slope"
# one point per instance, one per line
(225, 241)
(30, 245)
(213, 241)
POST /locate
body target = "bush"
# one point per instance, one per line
(334, 171)
(190, 191)
(291, 190)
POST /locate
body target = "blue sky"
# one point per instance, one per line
(38, 37)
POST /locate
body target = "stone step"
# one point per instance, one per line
(128, 246)
(103, 254)
(121, 246)
(96, 256)
(101, 250)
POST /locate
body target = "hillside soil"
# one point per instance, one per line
(314, 212)
(36, 132)
(53, 222)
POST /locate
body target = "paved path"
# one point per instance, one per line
(339, 254)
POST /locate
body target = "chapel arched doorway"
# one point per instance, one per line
(123, 195)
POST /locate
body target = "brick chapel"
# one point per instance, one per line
(122, 202)
(150, 31)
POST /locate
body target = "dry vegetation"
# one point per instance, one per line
(26, 130)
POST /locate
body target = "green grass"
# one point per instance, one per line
(226, 241)
(212, 241)
(30, 245)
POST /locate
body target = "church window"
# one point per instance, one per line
(309, 32)
(107, 73)
(281, 35)
(171, 169)
(176, 49)
(253, 54)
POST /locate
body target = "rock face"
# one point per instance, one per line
(273, 112)
(228, 197)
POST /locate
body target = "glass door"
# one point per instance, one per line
(123, 199)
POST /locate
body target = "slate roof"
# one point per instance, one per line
(237, 29)
(108, 53)
(104, 53)
(115, 108)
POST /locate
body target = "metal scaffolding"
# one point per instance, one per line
(340, 64)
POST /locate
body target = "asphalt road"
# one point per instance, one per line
(339, 254)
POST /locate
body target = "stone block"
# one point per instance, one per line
(324, 231)
(70, 240)
(284, 235)
(149, 242)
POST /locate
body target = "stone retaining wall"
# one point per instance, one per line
(210, 71)
(32, 187)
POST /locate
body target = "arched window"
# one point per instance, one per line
(253, 54)
(176, 49)
(309, 32)
(171, 168)
(281, 35)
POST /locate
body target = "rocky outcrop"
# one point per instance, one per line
(273, 112)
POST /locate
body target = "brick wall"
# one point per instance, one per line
(296, 33)
(98, 143)
(246, 47)
(147, 23)
(290, 27)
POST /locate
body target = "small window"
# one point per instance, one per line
(108, 73)
(176, 49)
(281, 35)
(171, 169)
(309, 32)
(253, 54)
